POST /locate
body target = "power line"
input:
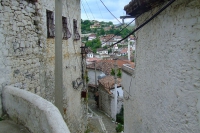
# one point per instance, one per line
(119, 32)
(110, 12)
(99, 9)
(90, 9)
(143, 24)
(84, 10)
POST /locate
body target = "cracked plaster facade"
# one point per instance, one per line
(27, 56)
(164, 96)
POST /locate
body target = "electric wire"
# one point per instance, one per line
(110, 11)
(99, 8)
(90, 9)
(143, 24)
(118, 32)
(84, 10)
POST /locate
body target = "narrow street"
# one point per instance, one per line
(99, 122)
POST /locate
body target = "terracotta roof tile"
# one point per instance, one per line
(107, 65)
(108, 83)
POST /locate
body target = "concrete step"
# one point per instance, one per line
(7, 126)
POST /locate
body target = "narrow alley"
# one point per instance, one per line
(98, 121)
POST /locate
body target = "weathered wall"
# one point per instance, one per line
(28, 56)
(165, 95)
(20, 54)
(36, 113)
(106, 102)
(91, 76)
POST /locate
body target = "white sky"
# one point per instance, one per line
(97, 11)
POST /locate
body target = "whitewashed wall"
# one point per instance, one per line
(36, 113)
(91, 76)
(165, 91)
(107, 102)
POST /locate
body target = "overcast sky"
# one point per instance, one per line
(95, 10)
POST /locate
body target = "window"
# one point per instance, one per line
(66, 32)
(76, 34)
(50, 24)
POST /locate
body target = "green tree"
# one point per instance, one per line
(94, 44)
(112, 72)
(119, 73)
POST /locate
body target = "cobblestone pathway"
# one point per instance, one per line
(109, 125)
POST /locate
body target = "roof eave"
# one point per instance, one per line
(137, 7)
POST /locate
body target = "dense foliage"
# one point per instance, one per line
(85, 28)
(94, 44)
(120, 116)
(119, 128)
(119, 73)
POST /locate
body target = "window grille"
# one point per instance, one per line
(50, 25)
(66, 32)
(76, 34)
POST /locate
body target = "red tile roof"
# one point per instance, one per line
(92, 59)
(107, 65)
(108, 83)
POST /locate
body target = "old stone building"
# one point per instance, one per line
(106, 95)
(162, 93)
(27, 53)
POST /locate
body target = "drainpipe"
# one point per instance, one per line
(129, 50)
(58, 57)
(95, 69)
(115, 91)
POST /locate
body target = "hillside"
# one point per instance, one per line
(103, 28)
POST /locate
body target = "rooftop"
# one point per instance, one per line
(138, 7)
(107, 65)
(108, 83)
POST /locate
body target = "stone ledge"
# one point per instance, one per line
(127, 69)
(34, 112)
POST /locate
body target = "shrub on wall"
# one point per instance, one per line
(119, 128)
(120, 116)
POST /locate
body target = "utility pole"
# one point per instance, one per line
(95, 71)
(129, 50)
(58, 56)
(115, 91)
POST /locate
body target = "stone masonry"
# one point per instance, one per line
(27, 55)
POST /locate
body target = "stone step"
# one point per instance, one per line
(7, 126)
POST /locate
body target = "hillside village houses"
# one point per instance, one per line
(27, 65)
(161, 94)
(95, 25)
(102, 82)
(91, 37)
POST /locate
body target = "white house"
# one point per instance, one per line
(102, 51)
(91, 37)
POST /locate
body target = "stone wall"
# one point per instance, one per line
(27, 55)
(34, 112)
(164, 96)
(107, 103)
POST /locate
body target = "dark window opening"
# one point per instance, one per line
(34, 0)
(50, 25)
(66, 32)
(76, 34)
